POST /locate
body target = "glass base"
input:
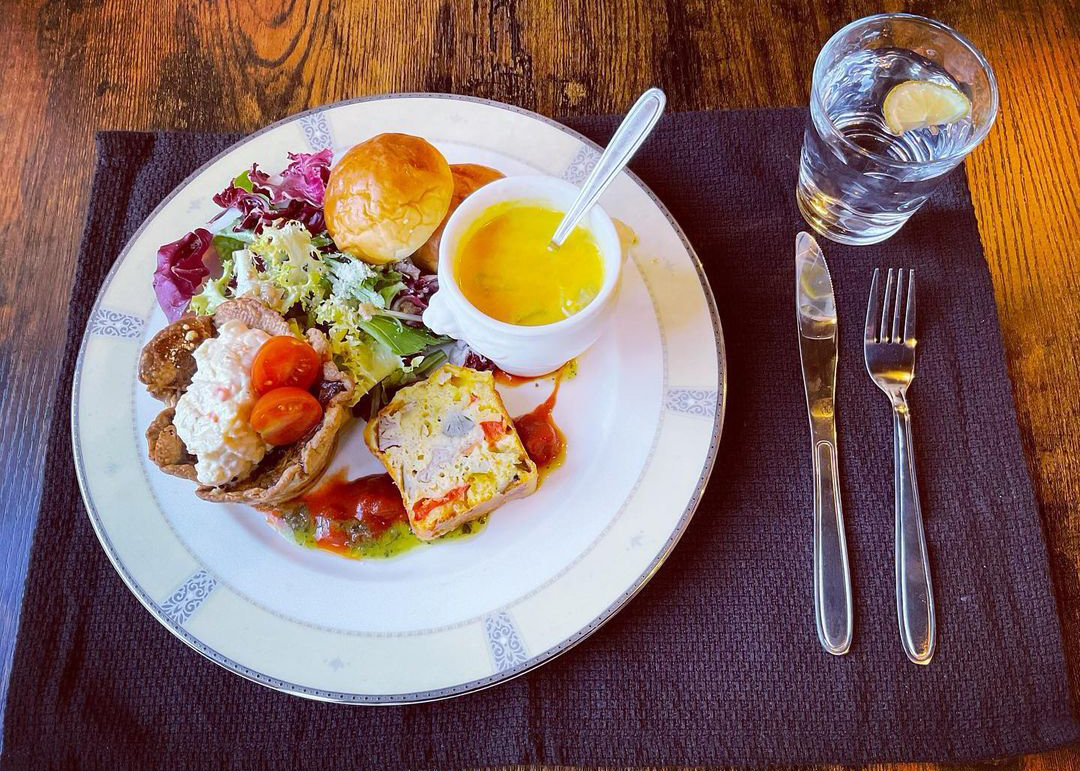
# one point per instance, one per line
(831, 219)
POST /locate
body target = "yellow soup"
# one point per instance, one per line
(505, 269)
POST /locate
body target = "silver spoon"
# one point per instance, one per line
(632, 132)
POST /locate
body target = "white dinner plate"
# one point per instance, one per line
(642, 420)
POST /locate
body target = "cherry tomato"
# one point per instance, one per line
(285, 361)
(285, 415)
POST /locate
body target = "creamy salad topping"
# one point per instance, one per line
(213, 416)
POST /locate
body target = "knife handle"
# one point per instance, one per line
(832, 579)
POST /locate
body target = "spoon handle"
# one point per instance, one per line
(635, 128)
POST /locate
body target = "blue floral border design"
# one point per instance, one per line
(189, 597)
(504, 642)
(581, 164)
(110, 323)
(700, 402)
(317, 131)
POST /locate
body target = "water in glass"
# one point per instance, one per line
(859, 182)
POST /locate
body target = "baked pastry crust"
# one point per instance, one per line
(166, 367)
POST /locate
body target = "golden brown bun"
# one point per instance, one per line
(386, 196)
(468, 178)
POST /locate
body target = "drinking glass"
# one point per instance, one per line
(858, 182)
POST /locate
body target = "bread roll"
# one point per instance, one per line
(386, 196)
(468, 178)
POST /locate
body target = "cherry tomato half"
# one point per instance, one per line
(285, 415)
(285, 361)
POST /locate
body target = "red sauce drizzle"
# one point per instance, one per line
(543, 440)
(373, 500)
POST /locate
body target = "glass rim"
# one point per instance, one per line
(960, 154)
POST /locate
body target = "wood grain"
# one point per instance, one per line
(72, 68)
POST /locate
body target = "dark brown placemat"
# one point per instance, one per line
(716, 661)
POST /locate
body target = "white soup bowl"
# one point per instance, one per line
(519, 349)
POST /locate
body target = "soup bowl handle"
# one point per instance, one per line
(439, 318)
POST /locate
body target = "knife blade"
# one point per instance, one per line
(815, 311)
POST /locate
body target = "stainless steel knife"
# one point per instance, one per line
(815, 308)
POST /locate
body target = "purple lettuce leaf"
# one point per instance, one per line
(309, 215)
(305, 178)
(296, 194)
(182, 266)
(260, 180)
(474, 360)
(418, 290)
(245, 202)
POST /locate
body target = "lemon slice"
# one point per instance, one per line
(917, 104)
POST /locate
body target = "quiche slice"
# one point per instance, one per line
(452, 450)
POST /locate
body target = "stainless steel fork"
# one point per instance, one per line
(889, 348)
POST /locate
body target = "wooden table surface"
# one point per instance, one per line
(71, 69)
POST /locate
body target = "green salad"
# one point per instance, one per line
(275, 248)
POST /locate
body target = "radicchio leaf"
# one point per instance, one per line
(310, 215)
(474, 360)
(259, 179)
(417, 292)
(296, 194)
(234, 197)
(305, 178)
(181, 269)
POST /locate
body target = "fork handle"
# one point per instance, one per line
(832, 579)
(914, 592)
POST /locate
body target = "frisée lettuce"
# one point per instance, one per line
(295, 273)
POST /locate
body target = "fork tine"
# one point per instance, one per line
(909, 316)
(873, 308)
(897, 306)
(884, 336)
